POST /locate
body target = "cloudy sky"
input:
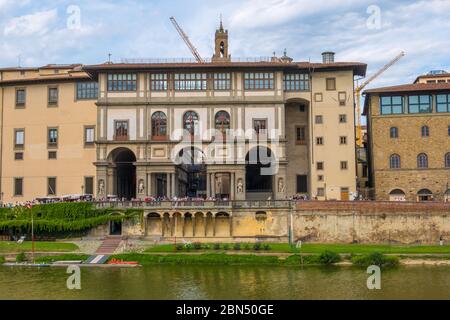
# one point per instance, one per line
(85, 31)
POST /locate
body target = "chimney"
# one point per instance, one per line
(328, 57)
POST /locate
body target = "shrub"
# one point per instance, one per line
(2, 259)
(257, 246)
(329, 257)
(237, 246)
(216, 246)
(21, 257)
(179, 247)
(266, 247)
(197, 246)
(247, 246)
(377, 259)
(226, 246)
(188, 246)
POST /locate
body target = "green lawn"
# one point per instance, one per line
(14, 247)
(319, 248)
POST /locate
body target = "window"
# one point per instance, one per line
(319, 119)
(425, 131)
(222, 121)
(391, 105)
(19, 138)
(20, 98)
(18, 156)
(89, 185)
(342, 98)
(447, 160)
(190, 81)
(302, 108)
(53, 96)
(448, 129)
(260, 126)
(302, 184)
(319, 141)
(320, 166)
(331, 84)
(443, 103)
(393, 132)
(258, 81)
(87, 90)
(18, 187)
(419, 104)
(191, 123)
(320, 178)
(158, 82)
(320, 192)
(422, 161)
(122, 82)
(394, 161)
(344, 165)
(89, 135)
(51, 186)
(52, 155)
(300, 135)
(296, 82)
(318, 97)
(342, 118)
(222, 81)
(52, 137)
(121, 130)
(343, 140)
(159, 125)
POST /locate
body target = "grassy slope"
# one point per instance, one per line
(13, 247)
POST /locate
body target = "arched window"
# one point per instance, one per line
(425, 195)
(190, 122)
(395, 161)
(394, 132)
(222, 121)
(447, 160)
(159, 124)
(425, 131)
(422, 161)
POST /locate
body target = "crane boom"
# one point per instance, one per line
(360, 88)
(187, 41)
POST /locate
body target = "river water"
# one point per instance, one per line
(169, 282)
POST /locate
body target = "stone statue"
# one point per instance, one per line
(281, 187)
(240, 186)
(141, 187)
(101, 187)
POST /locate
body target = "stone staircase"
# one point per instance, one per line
(109, 246)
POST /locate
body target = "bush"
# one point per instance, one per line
(197, 246)
(257, 246)
(266, 247)
(375, 259)
(226, 246)
(188, 246)
(2, 259)
(216, 246)
(21, 257)
(329, 257)
(237, 246)
(179, 247)
(247, 246)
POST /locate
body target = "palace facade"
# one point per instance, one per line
(221, 129)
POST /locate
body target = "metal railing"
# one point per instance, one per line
(188, 60)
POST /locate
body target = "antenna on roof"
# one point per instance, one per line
(109, 57)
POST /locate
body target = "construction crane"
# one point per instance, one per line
(360, 88)
(187, 41)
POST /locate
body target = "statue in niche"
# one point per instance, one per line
(141, 187)
(240, 186)
(281, 187)
(101, 187)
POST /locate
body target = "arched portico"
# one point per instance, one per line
(123, 163)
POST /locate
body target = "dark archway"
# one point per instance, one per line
(192, 173)
(258, 181)
(125, 173)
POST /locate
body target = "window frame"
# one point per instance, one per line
(52, 103)
(293, 84)
(319, 119)
(52, 152)
(17, 104)
(342, 117)
(392, 105)
(159, 82)
(298, 134)
(194, 123)
(254, 82)
(393, 132)
(218, 80)
(183, 83)
(260, 131)
(328, 81)
(16, 145)
(85, 130)
(85, 185)
(447, 160)
(395, 161)
(114, 84)
(343, 140)
(52, 145)
(222, 129)
(442, 103)
(90, 93)
(15, 193)
(419, 103)
(425, 131)
(156, 127)
(122, 137)
(420, 158)
(48, 186)
(344, 165)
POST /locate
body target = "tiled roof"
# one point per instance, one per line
(411, 88)
(45, 79)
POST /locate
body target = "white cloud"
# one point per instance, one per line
(27, 25)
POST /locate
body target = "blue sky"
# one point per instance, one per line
(38, 31)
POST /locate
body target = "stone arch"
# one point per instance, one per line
(123, 161)
(223, 224)
(397, 195)
(209, 224)
(199, 225)
(424, 195)
(258, 180)
(154, 224)
(177, 224)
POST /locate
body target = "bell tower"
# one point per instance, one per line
(221, 45)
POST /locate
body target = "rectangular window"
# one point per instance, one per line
(443, 103)
(122, 82)
(419, 104)
(331, 84)
(89, 185)
(320, 192)
(319, 119)
(19, 138)
(89, 135)
(320, 178)
(52, 137)
(296, 82)
(159, 82)
(52, 96)
(121, 130)
(302, 184)
(51, 186)
(318, 97)
(18, 156)
(320, 165)
(52, 155)
(342, 118)
(344, 165)
(258, 81)
(260, 126)
(20, 98)
(391, 105)
(18, 187)
(190, 81)
(319, 141)
(342, 98)
(222, 81)
(343, 140)
(300, 135)
(87, 90)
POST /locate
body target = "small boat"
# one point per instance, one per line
(34, 265)
(121, 262)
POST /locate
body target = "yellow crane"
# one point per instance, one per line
(187, 41)
(359, 90)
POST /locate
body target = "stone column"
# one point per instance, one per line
(193, 225)
(208, 185)
(149, 185)
(140, 179)
(213, 184)
(231, 225)
(168, 185)
(205, 222)
(232, 186)
(214, 225)
(173, 182)
(183, 221)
